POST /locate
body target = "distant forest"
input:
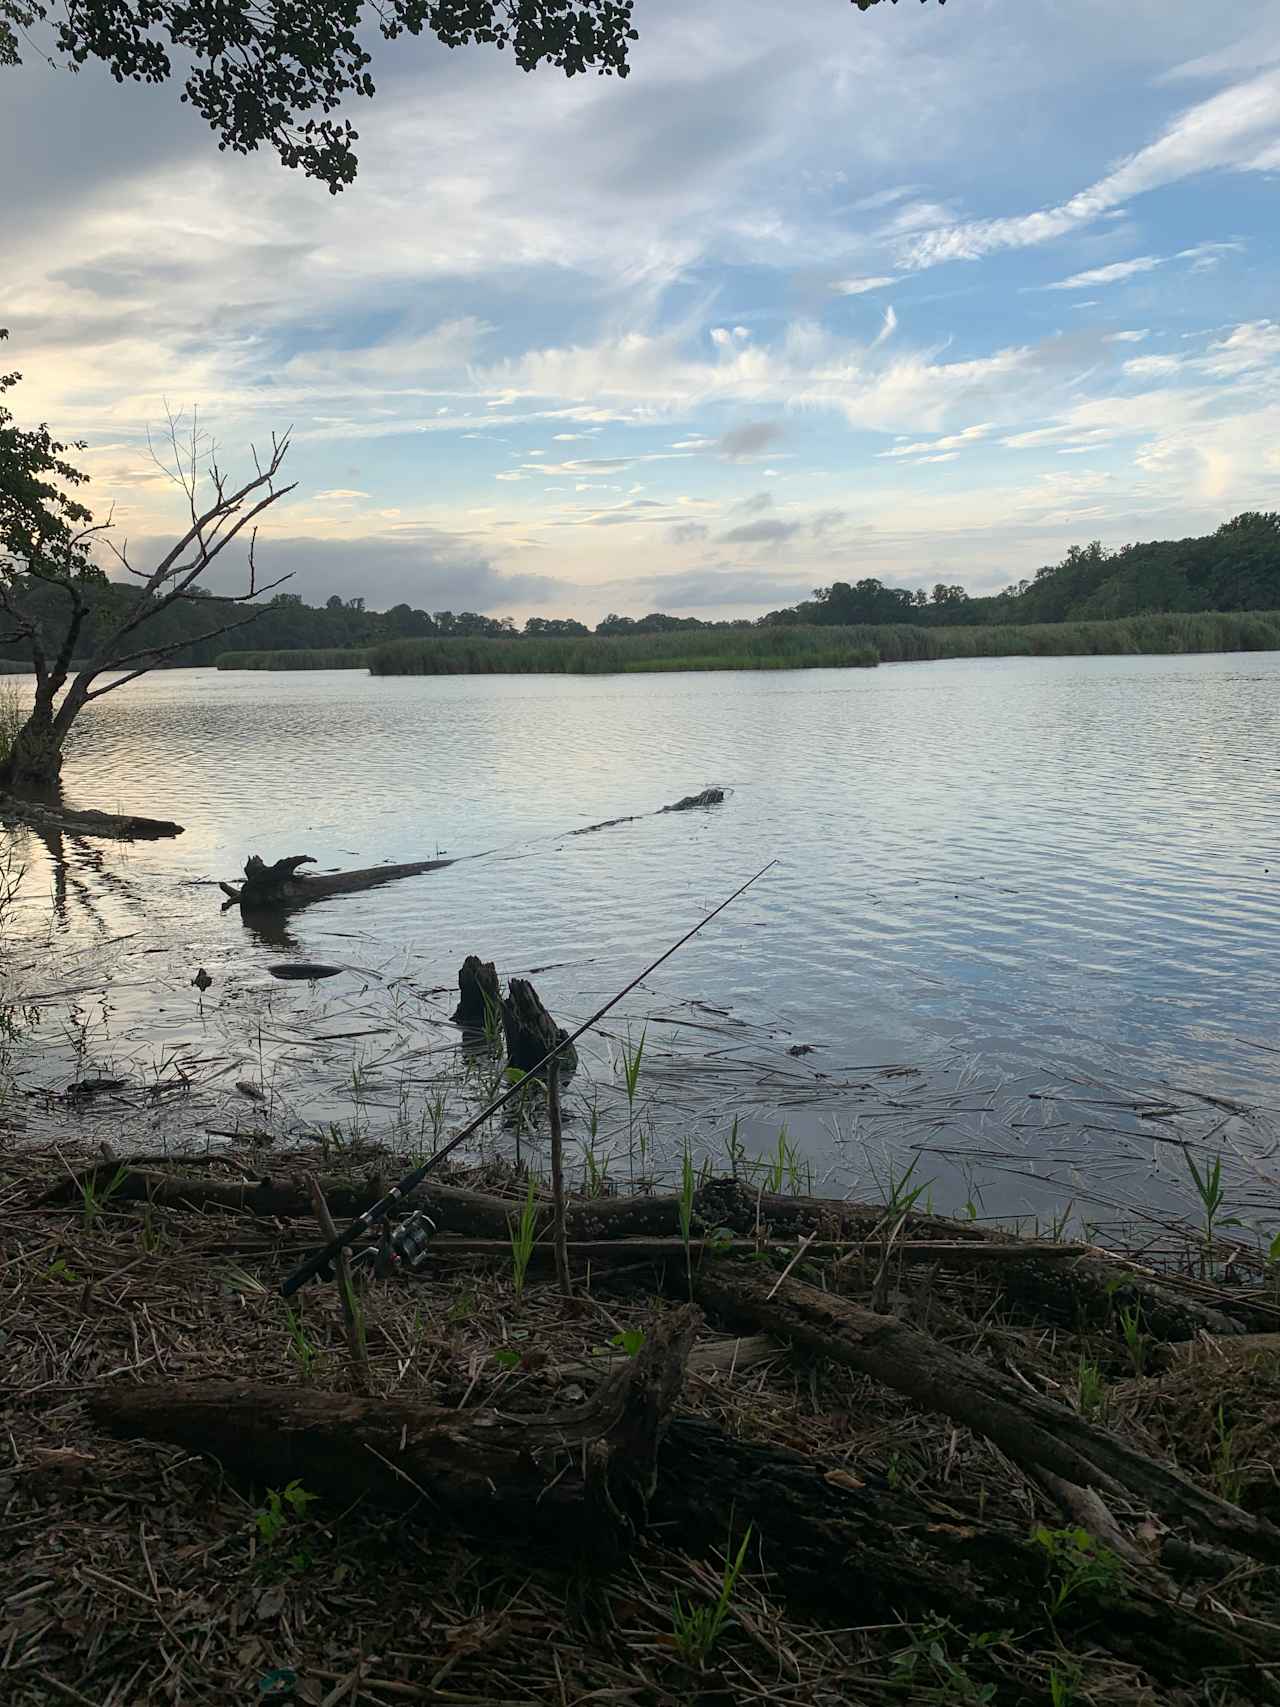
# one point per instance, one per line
(1235, 568)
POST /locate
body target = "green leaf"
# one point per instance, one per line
(505, 1358)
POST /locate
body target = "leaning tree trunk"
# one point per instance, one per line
(36, 754)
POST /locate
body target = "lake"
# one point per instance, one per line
(1026, 913)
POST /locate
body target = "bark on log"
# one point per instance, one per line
(1090, 1289)
(1045, 1282)
(1036, 1432)
(530, 1031)
(478, 993)
(121, 826)
(576, 1483)
(856, 1551)
(577, 1488)
(285, 885)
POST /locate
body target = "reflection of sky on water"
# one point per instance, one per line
(1043, 866)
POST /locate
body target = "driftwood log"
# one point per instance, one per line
(120, 826)
(1036, 1432)
(530, 1031)
(478, 993)
(578, 1487)
(1058, 1282)
(284, 884)
(570, 1484)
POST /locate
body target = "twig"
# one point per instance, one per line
(346, 1288)
(559, 1224)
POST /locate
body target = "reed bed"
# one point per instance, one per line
(802, 648)
(301, 658)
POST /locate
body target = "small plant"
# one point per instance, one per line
(630, 1341)
(697, 1629)
(1211, 1192)
(927, 1663)
(59, 1270)
(506, 1358)
(1078, 1565)
(1091, 1389)
(1227, 1473)
(632, 1057)
(902, 1196)
(1136, 1342)
(688, 1186)
(304, 1349)
(94, 1200)
(523, 1229)
(284, 1507)
(1064, 1685)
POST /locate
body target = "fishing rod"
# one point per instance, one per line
(319, 1262)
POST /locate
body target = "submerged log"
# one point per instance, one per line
(1038, 1433)
(572, 1484)
(284, 884)
(530, 1031)
(122, 826)
(708, 797)
(478, 993)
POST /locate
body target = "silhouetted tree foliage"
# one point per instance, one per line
(273, 71)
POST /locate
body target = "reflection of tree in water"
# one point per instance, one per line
(269, 925)
(83, 880)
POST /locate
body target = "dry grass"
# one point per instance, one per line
(137, 1574)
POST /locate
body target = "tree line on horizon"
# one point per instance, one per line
(1237, 567)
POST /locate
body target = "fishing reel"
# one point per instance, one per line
(406, 1245)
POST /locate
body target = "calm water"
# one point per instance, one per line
(1012, 874)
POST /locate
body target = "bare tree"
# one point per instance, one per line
(57, 555)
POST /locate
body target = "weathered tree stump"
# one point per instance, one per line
(708, 797)
(478, 993)
(530, 1031)
(572, 1484)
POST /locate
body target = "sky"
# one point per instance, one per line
(926, 293)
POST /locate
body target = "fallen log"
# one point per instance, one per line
(121, 826)
(1040, 1275)
(572, 1484)
(1036, 1432)
(576, 1489)
(284, 884)
(1093, 1288)
(855, 1550)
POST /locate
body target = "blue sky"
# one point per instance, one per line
(926, 293)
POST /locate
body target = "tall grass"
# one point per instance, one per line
(803, 648)
(304, 658)
(13, 714)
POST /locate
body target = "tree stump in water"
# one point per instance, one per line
(530, 1031)
(478, 993)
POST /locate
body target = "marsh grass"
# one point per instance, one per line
(523, 1229)
(12, 716)
(802, 647)
(302, 658)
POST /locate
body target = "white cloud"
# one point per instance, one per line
(1235, 130)
(859, 287)
(1138, 336)
(1111, 274)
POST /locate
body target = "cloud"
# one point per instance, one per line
(952, 442)
(767, 532)
(1235, 130)
(740, 444)
(1137, 336)
(860, 287)
(1111, 274)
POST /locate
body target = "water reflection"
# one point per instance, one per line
(1053, 868)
